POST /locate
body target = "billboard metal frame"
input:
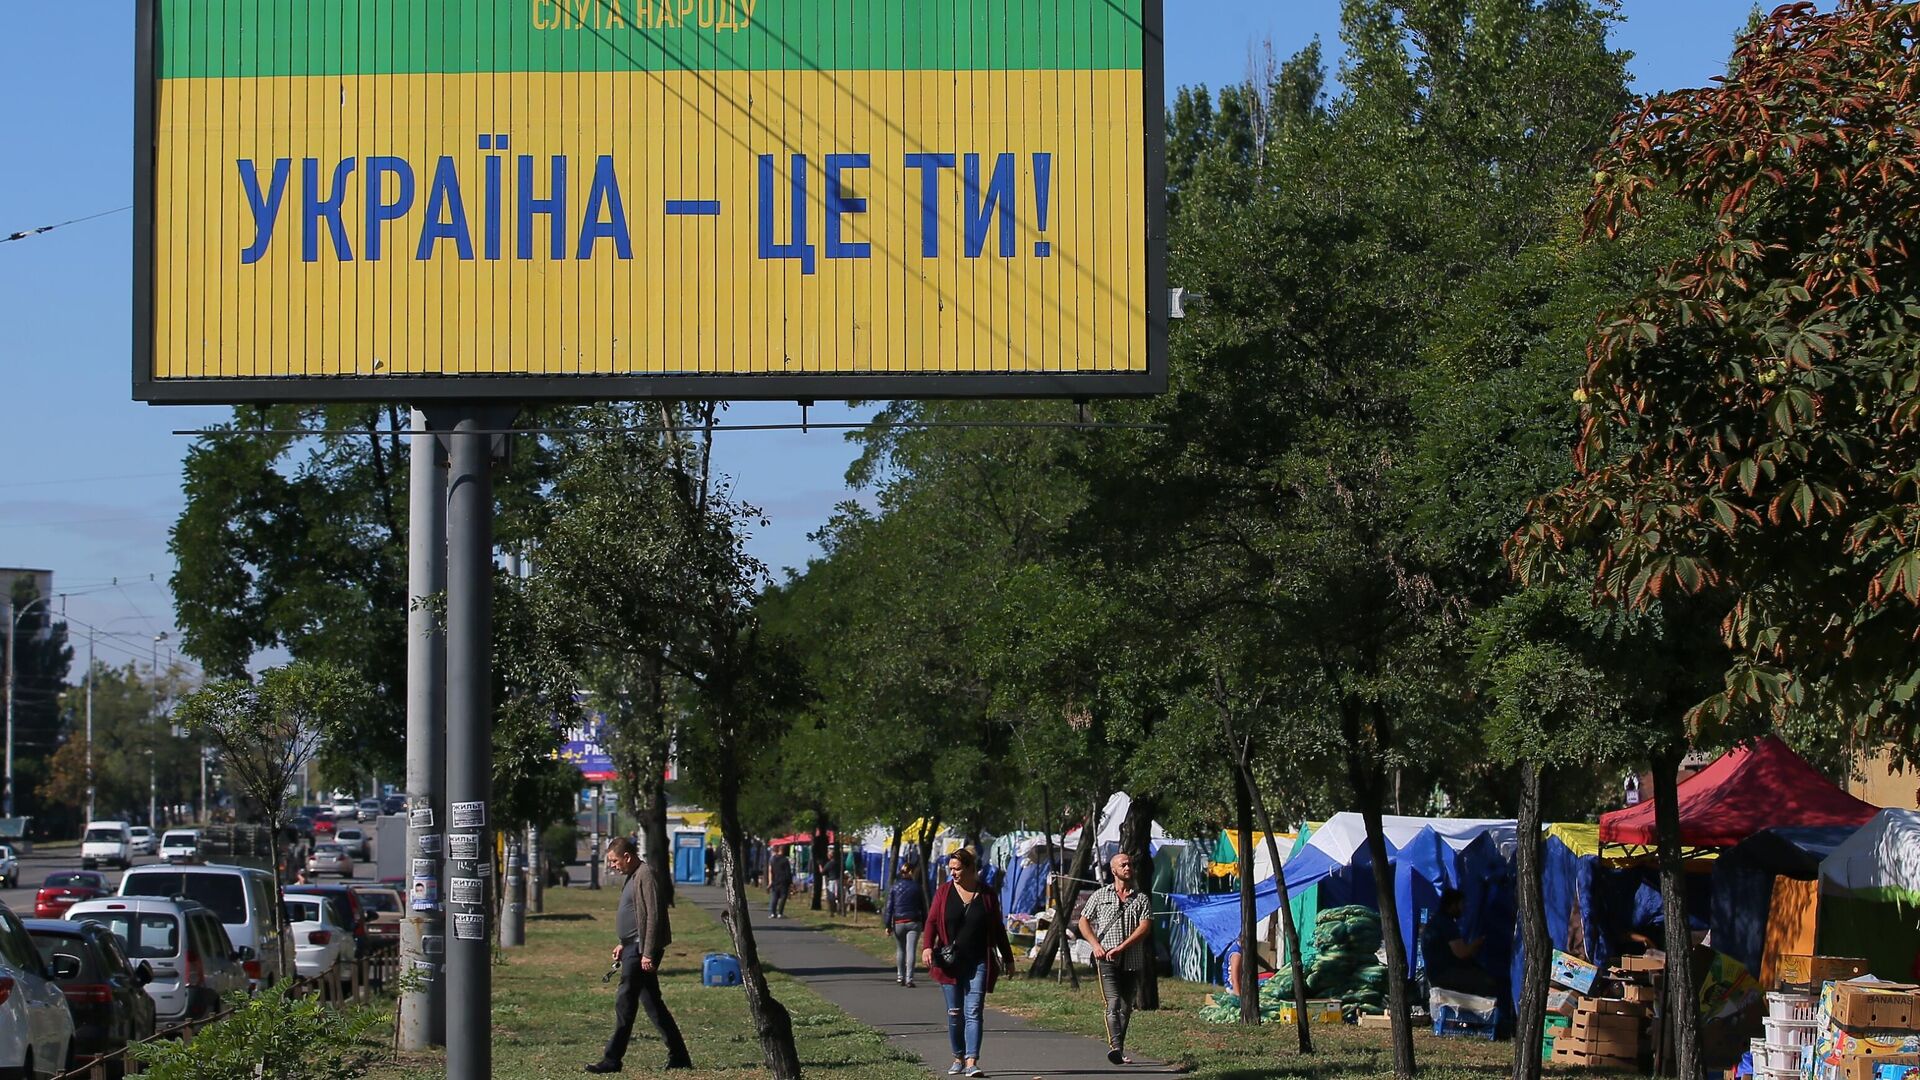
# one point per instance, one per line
(822, 386)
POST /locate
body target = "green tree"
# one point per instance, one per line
(41, 658)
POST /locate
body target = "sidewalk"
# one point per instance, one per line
(916, 1019)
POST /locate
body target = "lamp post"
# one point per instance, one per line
(153, 820)
(13, 626)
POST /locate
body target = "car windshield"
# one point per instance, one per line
(222, 892)
(377, 900)
(148, 935)
(326, 849)
(72, 881)
(102, 836)
(178, 839)
(350, 834)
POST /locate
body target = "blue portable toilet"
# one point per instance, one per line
(719, 969)
(690, 857)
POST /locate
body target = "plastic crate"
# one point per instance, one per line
(1780, 1056)
(719, 969)
(1454, 1021)
(1791, 1032)
(1791, 1006)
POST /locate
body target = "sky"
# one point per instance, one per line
(90, 479)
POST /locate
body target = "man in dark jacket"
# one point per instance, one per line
(644, 937)
(779, 884)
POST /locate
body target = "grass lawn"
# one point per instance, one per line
(1176, 1033)
(551, 1013)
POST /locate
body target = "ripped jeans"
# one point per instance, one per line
(966, 1011)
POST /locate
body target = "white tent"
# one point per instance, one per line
(1345, 834)
(1881, 861)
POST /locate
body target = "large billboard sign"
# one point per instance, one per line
(421, 199)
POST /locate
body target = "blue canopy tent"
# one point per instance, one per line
(1743, 883)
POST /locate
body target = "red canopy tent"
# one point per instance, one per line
(1761, 785)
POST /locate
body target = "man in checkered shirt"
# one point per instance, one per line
(1116, 921)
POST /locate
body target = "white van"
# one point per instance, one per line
(246, 900)
(106, 842)
(180, 845)
(194, 964)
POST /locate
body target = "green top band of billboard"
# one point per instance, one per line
(268, 38)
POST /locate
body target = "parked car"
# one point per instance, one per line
(345, 808)
(36, 1028)
(68, 887)
(323, 824)
(352, 840)
(194, 963)
(106, 842)
(394, 804)
(383, 909)
(9, 868)
(241, 896)
(106, 994)
(320, 941)
(369, 809)
(348, 911)
(180, 845)
(330, 858)
(140, 840)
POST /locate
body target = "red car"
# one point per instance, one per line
(67, 888)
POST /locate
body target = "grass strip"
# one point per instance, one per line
(552, 1014)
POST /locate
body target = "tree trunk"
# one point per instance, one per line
(653, 785)
(1367, 785)
(1249, 925)
(1069, 893)
(817, 855)
(925, 847)
(1536, 947)
(771, 1021)
(1136, 839)
(1294, 960)
(1683, 1015)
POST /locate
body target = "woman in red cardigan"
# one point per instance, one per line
(965, 918)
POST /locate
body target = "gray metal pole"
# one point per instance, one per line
(423, 1015)
(469, 969)
(513, 921)
(89, 726)
(7, 809)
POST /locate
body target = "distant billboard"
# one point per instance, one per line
(584, 744)
(418, 199)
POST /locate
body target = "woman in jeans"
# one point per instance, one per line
(966, 919)
(906, 909)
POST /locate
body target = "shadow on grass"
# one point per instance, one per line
(561, 916)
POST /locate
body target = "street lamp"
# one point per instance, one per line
(13, 627)
(153, 820)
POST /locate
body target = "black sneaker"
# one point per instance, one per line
(1116, 1057)
(603, 1067)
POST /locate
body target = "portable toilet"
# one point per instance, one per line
(690, 857)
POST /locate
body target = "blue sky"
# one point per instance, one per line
(91, 479)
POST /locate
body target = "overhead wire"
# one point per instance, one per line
(37, 230)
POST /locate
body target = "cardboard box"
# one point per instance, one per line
(1380, 1021)
(1319, 1011)
(1609, 1007)
(1641, 995)
(1572, 972)
(1799, 970)
(1609, 1025)
(1568, 1055)
(1647, 962)
(1872, 1006)
(1604, 1043)
(1562, 1002)
(1863, 1068)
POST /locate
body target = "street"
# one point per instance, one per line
(34, 869)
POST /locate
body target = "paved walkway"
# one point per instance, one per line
(916, 1018)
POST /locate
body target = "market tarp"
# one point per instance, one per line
(1879, 862)
(1763, 784)
(1341, 843)
(1226, 856)
(1743, 884)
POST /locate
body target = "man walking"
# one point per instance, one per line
(779, 884)
(644, 936)
(1116, 921)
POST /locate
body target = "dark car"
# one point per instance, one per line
(394, 804)
(68, 887)
(105, 993)
(344, 906)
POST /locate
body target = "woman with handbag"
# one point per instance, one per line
(965, 936)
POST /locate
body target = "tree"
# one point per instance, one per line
(128, 731)
(41, 657)
(643, 563)
(1750, 416)
(270, 729)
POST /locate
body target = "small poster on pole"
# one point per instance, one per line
(468, 815)
(467, 890)
(470, 928)
(463, 847)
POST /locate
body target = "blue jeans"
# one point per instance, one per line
(966, 1011)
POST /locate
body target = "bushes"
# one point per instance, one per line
(273, 1036)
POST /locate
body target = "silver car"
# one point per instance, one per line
(9, 868)
(330, 859)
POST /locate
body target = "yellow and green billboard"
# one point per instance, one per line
(416, 199)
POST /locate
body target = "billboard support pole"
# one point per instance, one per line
(469, 945)
(423, 1013)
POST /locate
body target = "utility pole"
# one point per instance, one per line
(90, 725)
(153, 722)
(13, 626)
(423, 1013)
(469, 867)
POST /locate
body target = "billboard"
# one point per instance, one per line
(575, 199)
(584, 746)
